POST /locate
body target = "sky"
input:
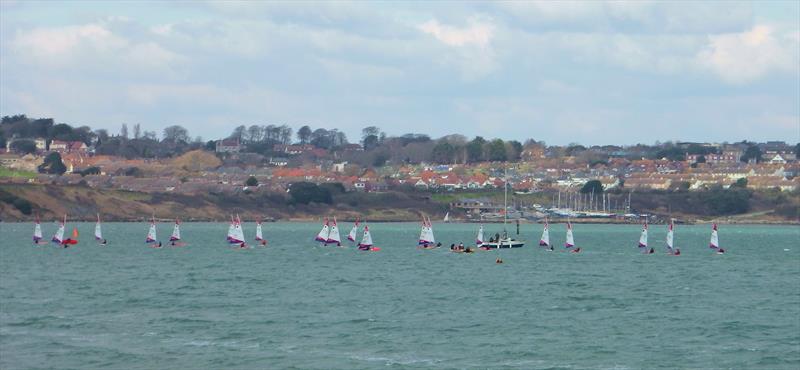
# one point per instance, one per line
(593, 72)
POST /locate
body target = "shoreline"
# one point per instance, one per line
(510, 223)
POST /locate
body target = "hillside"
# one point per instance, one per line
(82, 203)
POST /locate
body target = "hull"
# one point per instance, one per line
(504, 244)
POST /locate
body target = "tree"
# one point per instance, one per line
(255, 133)
(176, 134)
(496, 151)
(53, 165)
(751, 153)
(443, 152)
(307, 192)
(137, 131)
(238, 133)
(23, 146)
(101, 134)
(370, 131)
(797, 150)
(124, 131)
(514, 150)
(251, 181)
(740, 183)
(371, 142)
(592, 186)
(304, 134)
(475, 149)
(701, 159)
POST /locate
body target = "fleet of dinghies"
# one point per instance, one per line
(329, 234)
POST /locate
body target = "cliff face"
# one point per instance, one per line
(83, 203)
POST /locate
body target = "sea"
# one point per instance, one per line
(298, 304)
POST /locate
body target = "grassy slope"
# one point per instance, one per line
(82, 203)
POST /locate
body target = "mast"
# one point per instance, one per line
(505, 200)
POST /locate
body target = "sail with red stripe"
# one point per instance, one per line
(353, 232)
(570, 241)
(322, 237)
(714, 242)
(176, 231)
(643, 238)
(544, 241)
(151, 233)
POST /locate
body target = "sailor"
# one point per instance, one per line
(652, 251)
(576, 250)
(498, 260)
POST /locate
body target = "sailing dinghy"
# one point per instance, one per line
(37, 232)
(98, 232)
(426, 238)
(544, 241)
(152, 239)
(643, 241)
(175, 238)
(322, 237)
(333, 235)
(570, 243)
(714, 242)
(670, 237)
(353, 232)
(259, 235)
(366, 241)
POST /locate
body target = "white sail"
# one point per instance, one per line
(643, 237)
(714, 242)
(259, 236)
(151, 233)
(447, 217)
(366, 240)
(229, 237)
(431, 239)
(238, 232)
(98, 231)
(58, 237)
(670, 237)
(570, 241)
(333, 234)
(423, 233)
(353, 232)
(479, 238)
(176, 232)
(323, 234)
(37, 231)
(544, 241)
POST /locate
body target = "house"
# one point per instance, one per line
(728, 156)
(227, 146)
(59, 146)
(777, 159)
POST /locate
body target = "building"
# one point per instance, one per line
(59, 146)
(227, 146)
(728, 156)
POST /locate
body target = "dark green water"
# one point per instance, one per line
(296, 304)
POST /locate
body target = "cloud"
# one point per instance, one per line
(477, 33)
(90, 45)
(740, 58)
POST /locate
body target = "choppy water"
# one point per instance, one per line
(296, 304)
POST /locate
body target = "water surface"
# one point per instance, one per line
(297, 304)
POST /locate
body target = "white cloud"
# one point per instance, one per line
(477, 33)
(747, 56)
(90, 45)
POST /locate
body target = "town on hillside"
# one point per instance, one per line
(569, 181)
